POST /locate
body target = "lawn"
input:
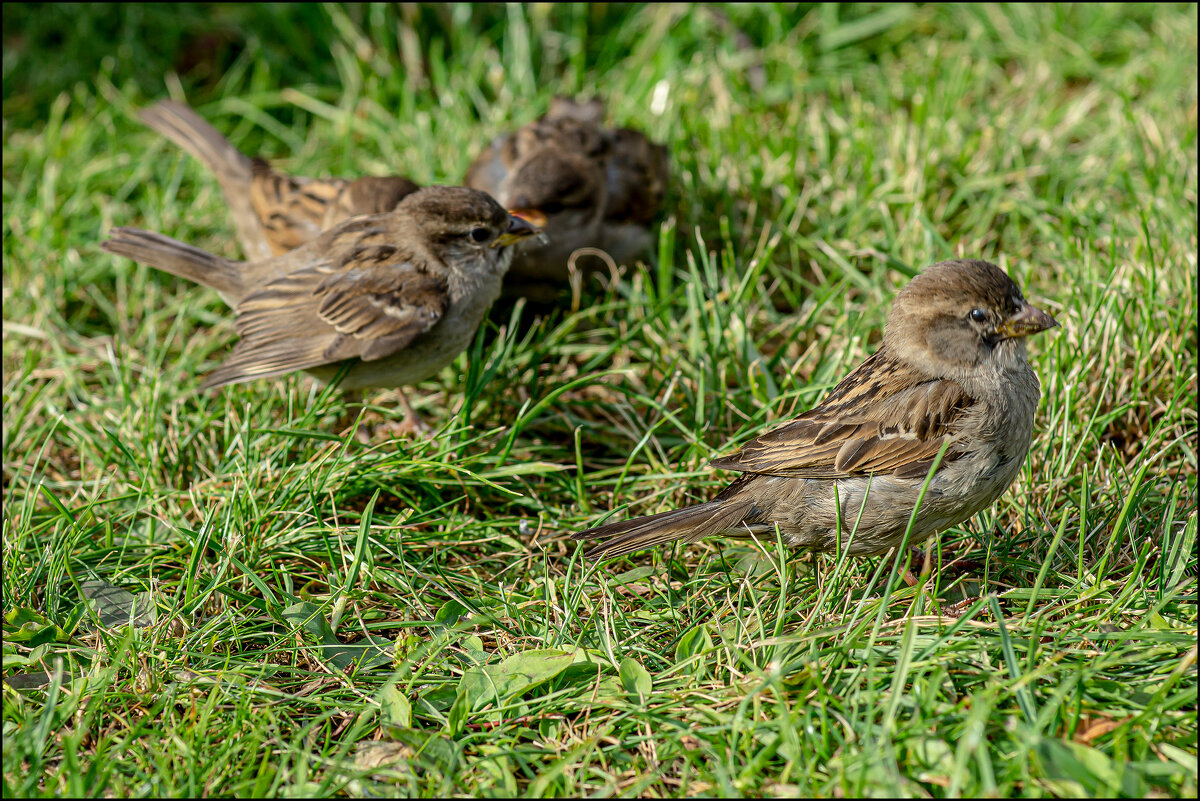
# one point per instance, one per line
(220, 594)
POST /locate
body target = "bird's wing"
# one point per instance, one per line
(882, 418)
(294, 210)
(369, 195)
(368, 305)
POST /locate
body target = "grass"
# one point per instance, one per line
(216, 594)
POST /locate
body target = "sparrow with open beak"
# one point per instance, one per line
(597, 187)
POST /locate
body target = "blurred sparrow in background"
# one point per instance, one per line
(273, 212)
(391, 297)
(951, 374)
(598, 187)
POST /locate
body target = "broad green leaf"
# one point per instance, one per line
(517, 674)
(394, 706)
(429, 748)
(456, 718)
(694, 642)
(635, 678)
(117, 607)
(28, 681)
(1096, 773)
(449, 614)
(308, 615)
(474, 653)
(25, 625)
(370, 652)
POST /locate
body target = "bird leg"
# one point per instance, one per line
(367, 432)
(925, 557)
(411, 425)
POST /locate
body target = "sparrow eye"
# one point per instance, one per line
(481, 234)
(978, 315)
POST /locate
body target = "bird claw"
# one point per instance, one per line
(410, 426)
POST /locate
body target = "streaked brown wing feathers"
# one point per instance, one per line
(378, 299)
(883, 418)
(371, 304)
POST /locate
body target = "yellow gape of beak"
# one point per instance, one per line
(521, 225)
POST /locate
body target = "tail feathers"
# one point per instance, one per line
(233, 168)
(176, 258)
(691, 524)
(193, 133)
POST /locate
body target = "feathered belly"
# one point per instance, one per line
(871, 515)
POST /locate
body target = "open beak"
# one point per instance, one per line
(1029, 320)
(530, 215)
(521, 225)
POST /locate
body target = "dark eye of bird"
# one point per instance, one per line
(481, 234)
(552, 208)
(978, 315)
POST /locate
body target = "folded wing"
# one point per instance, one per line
(369, 305)
(882, 418)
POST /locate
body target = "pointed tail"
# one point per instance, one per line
(234, 169)
(176, 258)
(691, 524)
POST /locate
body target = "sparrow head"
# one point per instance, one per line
(466, 226)
(568, 134)
(556, 182)
(638, 171)
(590, 112)
(962, 315)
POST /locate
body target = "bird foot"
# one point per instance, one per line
(957, 609)
(920, 557)
(410, 426)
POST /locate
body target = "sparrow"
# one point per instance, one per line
(391, 298)
(598, 187)
(950, 380)
(636, 171)
(273, 212)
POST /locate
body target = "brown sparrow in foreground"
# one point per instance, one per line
(951, 373)
(273, 212)
(395, 297)
(597, 187)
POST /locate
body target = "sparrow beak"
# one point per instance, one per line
(1029, 320)
(521, 225)
(529, 214)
